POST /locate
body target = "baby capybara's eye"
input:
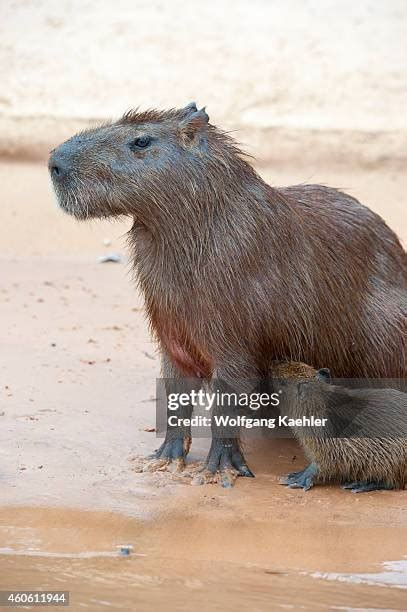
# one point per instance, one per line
(140, 143)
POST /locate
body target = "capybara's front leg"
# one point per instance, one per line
(225, 460)
(171, 455)
(302, 480)
(224, 463)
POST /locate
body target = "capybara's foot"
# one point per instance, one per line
(169, 457)
(301, 480)
(365, 487)
(224, 463)
(226, 478)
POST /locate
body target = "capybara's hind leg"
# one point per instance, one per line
(365, 487)
(301, 480)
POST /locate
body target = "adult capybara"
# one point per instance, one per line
(236, 273)
(356, 436)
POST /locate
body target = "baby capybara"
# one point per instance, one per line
(359, 437)
(236, 273)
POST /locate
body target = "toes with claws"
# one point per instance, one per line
(365, 486)
(301, 480)
(169, 457)
(225, 463)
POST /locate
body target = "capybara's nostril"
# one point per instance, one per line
(58, 166)
(56, 171)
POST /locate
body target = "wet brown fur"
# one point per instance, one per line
(236, 273)
(352, 459)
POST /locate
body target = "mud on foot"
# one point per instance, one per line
(225, 462)
(170, 457)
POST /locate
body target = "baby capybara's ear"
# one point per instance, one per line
(194, 126)
(324, 375)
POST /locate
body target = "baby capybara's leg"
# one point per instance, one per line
(301, 480)
(366, 486)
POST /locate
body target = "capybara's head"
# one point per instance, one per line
(296, 379)
(115, 168)
(143, 165)
(297, 372)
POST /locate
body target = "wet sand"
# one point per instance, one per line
(77, 390)
(212, 557)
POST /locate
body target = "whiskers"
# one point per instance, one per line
(76, 199)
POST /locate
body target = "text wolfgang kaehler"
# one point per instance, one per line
(208, 401)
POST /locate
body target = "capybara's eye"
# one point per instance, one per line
(140, 143)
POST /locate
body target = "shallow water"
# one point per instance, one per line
(78, 551)
(394, 573)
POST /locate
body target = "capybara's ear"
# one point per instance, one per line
(189, 108)
(324, 375)
(192, 127)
